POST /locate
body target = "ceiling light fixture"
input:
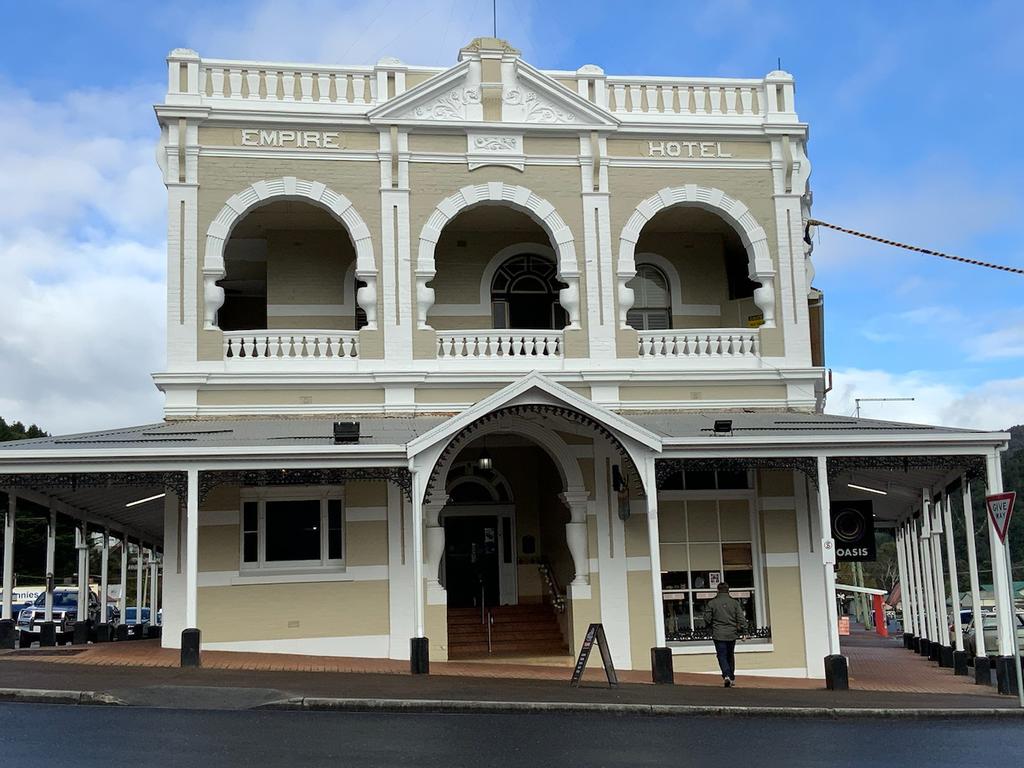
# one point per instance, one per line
(143, 501)
(865, 488)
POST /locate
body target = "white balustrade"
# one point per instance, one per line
(491, 344)
(684, 97)
(244, 346)
(702, 343)
(281, 83)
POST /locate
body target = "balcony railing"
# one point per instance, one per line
(708, 343)
(686, 97)
(499, 344)
(291, 345)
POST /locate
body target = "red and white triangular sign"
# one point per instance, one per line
(1000, 509)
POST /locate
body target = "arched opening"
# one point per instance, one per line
(289, 265)
(712, 263)
(503, 256)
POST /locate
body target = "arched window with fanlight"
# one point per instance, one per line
(524, 294)
(652, 300)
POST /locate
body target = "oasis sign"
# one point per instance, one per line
(853, 528)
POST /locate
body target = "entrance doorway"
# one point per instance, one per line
(471, 561)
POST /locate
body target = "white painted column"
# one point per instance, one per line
(154, 575)
(417, 555)
(940, 576)
(654, 544)
(920, 593)
(434, 543)
(972, 562)
(122, 601)
(1005, 634)
(139, 570)
(104, 566)
(192, 551)
(576, 535)
(954, 582)
(911, 590)
(51, 546)
(831, 608)
(924, 544)
(901, 564)
(9, 515)
(82, 544)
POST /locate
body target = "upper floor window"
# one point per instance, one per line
(524, 294)
(652, 300)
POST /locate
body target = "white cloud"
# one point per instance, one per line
(82, 259)
(994, 405)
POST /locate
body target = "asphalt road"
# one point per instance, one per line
(56, 736)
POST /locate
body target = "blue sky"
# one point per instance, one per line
(915, 111)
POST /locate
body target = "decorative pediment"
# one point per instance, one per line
(495, 86)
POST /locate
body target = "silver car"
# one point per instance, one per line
(988, 623)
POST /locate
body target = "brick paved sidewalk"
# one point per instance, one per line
(876, 664)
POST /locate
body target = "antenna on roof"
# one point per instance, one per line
(779, 67)
(494, 16)
(859, 400)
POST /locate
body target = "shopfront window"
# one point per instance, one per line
(703, 543)
(296, 530)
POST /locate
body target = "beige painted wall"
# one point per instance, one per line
(289, 396)
(285, 611)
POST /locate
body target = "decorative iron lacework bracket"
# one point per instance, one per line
(972, 466)
(400, 476)
(460, 440)
(665, 468)
(175, 482)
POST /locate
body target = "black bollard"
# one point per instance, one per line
(1006, 675)
(47, 634)
(419, 656)
(982, 671)
(837, 673)
(80, 634)
(908, 641)
(924, 647)
(121, 633)
(960, 663)
(946, 656)
(152, 632)
(8, 634)
(190, 648)
(661, 666)
(933, 651)
(104, 633)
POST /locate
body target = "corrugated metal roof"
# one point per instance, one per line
(238, 432)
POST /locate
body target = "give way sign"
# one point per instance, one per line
(1000, 509)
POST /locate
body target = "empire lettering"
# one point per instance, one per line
(252, 137)
(692, 149)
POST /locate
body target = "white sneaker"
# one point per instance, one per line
(732, 682)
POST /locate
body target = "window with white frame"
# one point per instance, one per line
(292, 529)
(708, 535)
(652, 300)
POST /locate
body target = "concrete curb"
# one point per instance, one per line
(44, 696)
(440, 706)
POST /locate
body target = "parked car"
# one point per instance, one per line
(65, 613)
(130, 611)
(989, 625)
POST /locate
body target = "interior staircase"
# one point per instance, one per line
(518, 630)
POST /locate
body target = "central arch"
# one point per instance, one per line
(287, 188)
(755, 240)
(520, 198)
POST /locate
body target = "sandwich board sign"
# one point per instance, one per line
(595, 632)
(1000, 509)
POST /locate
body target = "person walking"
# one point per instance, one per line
(724, 615)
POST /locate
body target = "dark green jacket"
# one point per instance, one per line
(724, 616)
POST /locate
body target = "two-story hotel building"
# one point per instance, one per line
(446, 344)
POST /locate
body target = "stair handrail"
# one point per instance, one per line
(554, 591)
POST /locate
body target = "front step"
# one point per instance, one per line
(518, 630)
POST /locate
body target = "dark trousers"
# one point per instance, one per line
(726, 652)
